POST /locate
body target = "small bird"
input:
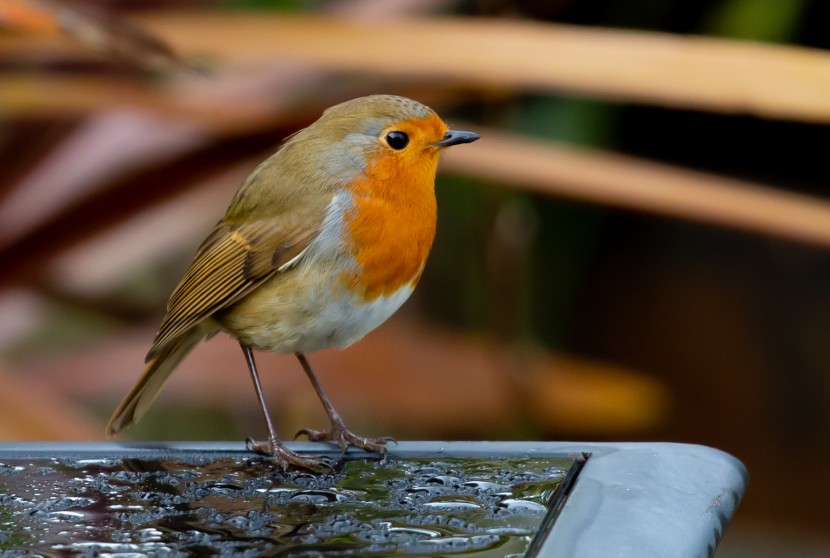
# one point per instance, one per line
(323, 242)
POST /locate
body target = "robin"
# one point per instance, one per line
(322, 243)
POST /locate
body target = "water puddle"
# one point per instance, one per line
(241, 507)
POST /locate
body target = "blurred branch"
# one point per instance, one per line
(694, 72)
(223, 104)
(52, 96)
(718, 75)
(632, 183)
(97, 28)
(23, 14)
(127, 195)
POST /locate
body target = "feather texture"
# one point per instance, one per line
(233, 261)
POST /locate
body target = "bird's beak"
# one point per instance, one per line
(454, 137)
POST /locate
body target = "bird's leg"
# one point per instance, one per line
(274, 446)
(338, 434)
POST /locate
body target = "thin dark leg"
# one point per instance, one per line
(339, 434)
(249, 358)
(283, 456)
(334, 416)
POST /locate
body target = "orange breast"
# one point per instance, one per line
(391, 225)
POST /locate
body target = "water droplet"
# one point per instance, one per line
(486, 486)
(416, 531)
(459, 544)
(452, 505)
(317, 497)
(522, 506)
(149, 534)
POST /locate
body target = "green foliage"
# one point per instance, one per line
(456, 270)
(278, 5)
(508, 262)
(760, 20)
(569, 119)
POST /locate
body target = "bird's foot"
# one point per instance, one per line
(344, 438)
(286, 458)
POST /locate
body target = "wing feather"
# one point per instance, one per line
(233, 260)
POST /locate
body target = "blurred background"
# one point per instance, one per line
(637, 249)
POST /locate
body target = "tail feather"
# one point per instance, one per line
(147, 388)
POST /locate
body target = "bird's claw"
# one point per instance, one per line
(259, 448)
(286, 458)
(344, 438)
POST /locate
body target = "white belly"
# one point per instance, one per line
(285, 324)
(343, 322)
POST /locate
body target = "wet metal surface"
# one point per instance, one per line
(235, 506)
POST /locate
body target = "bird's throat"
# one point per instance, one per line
(390, 228)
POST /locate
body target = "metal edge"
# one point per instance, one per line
(555, 505)
(630, 499)
(648, 500)
(111, 449)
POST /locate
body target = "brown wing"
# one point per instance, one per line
(231, 262)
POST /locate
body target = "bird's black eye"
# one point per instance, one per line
(397, 140)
